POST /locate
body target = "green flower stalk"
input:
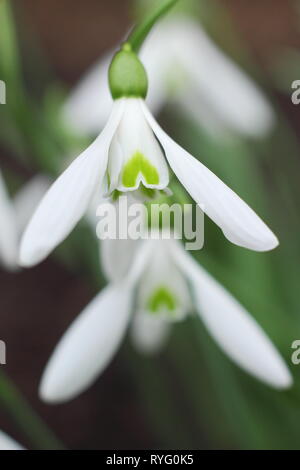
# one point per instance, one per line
(140, 32)
(127, 75)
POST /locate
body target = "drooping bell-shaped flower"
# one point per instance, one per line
(158, 286)
(132, 154)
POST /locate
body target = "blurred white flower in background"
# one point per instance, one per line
(186, 68)
(157, 287)
(15, 214)
(7, 443)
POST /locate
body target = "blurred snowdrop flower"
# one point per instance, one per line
(133, 154)
(8, 232)
(164, 285)
(186, 68)
(7, 443)
(14, 215)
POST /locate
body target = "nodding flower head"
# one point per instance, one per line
(161, 285)
(133, 153)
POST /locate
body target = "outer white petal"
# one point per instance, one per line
(68, 198)
(88, 105)
(239, 223)
(93, 338)
(149, 332)
(215, 78)
(88, 345)
(233, 328)
(7, 443)
(9, 231)
(28, 197)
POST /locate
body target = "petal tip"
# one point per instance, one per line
(278, 374)
(50, 392)
(270, 243)
(285, 381)
(30, 255)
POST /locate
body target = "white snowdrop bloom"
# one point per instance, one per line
(186, 68)
(133, 153)
(7, 443)
(164, 285)
(15, 214)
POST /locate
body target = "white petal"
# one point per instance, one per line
(9, 230)
(68, 198)
(7, 443)
(233, 328)
(149, 332)
(239, 223)
(88, 106)
(215, 78)
(133, 139)
(27, 198)
(88, 345)
(116, 257)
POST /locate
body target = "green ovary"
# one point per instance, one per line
(139, 164)
(162, 297)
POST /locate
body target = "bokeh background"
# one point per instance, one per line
(190, 396)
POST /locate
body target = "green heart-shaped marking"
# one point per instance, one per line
(139, 164)
(160, 298)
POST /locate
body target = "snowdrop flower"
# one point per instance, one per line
(7, 443)
(157, 286)
(14, 215)
(133, 154)
(187, 69)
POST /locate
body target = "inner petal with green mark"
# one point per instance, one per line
(162, 299)
(136, 167)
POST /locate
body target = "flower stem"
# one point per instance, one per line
(25, 418)
(140, 32)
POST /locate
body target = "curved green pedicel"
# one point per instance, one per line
(162, 297)
(127, 75)
(137, 165)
